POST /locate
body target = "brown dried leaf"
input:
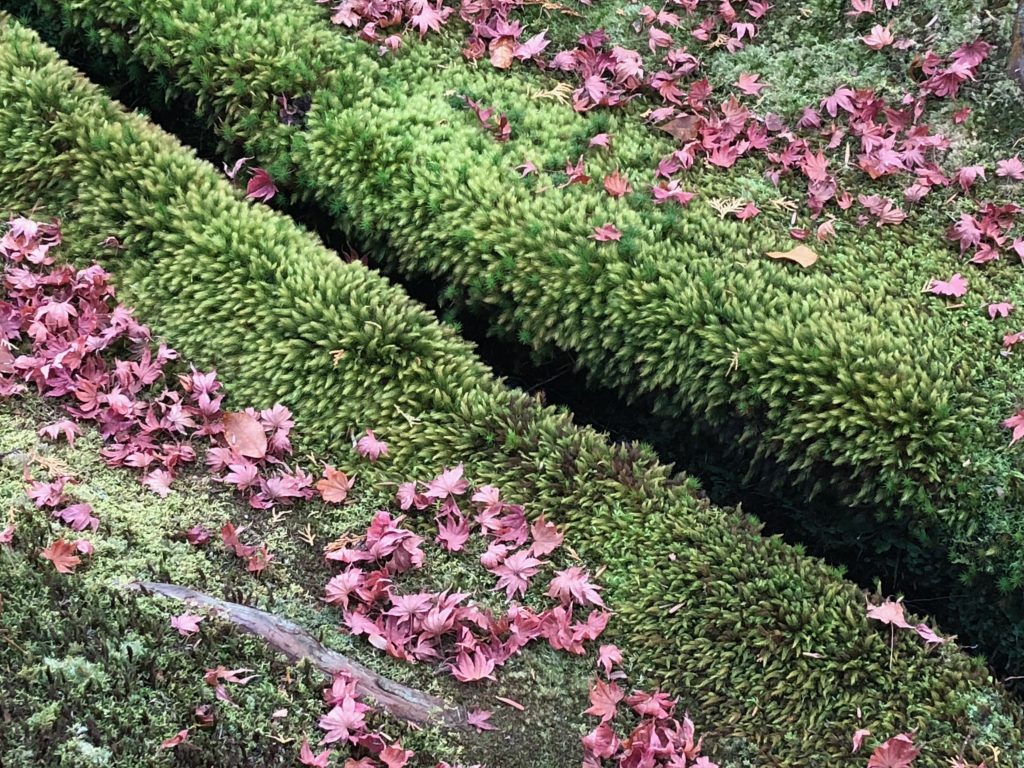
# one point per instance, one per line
(245, 435)
(502, 51)
(683, 128)
(801, 255)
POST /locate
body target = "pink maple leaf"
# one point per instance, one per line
(453, 533)
(897, 752)
(968, 175)
(369, 447)
(608, 656)
(532, 47)
(604, 700)
(600, 140)
(179, 738)
(260, 186)
(1011, 168)
(889, 612)
(861, 6)
(526, 169)
(955, 287)
(469, 667)
(929, 635)
(306, 756)
(78, 516)
(158, 481)
(999, 309)
(879, 37)
(602, 743)
(546, 537)
(234, 169)
(858, 738)
(187, 624)
(748, 211)
(64, 427)
(576, 173)
(393, 756)
(515, 572)
(449, 483)
(7, 534)
(841, 99)
(606, 233)
(1016, 423)
(665, 191)
(480, 719)
(345, 721)
(573, 585)
(749, 84)
(428, 18)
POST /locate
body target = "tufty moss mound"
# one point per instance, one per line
(843, 377)
(771, 649)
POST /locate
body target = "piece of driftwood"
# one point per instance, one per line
(399, 700)
(1016, 63)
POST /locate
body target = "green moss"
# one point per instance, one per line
(770, 650)
(127, 680)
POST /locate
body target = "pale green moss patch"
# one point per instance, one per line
(92, 676)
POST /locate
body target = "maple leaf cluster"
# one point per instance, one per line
(657, 739)
(447, 627)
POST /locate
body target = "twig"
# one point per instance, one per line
(284, 636)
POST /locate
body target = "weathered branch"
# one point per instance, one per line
(294, 642)
(1016, 63)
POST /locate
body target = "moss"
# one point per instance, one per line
(126, 680)
(763, 643)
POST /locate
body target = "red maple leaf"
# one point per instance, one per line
(260, 186)
(897, 752)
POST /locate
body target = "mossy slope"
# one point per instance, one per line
(843, 377)
(770, 649)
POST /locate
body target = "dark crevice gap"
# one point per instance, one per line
(877, 555)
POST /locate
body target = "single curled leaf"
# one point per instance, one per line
(801, 255)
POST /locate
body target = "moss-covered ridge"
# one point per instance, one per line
(771, 647)
(845, 373)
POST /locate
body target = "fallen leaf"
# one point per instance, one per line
(245, 435)
(684, 127)
(502, 51)
(801, 255)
